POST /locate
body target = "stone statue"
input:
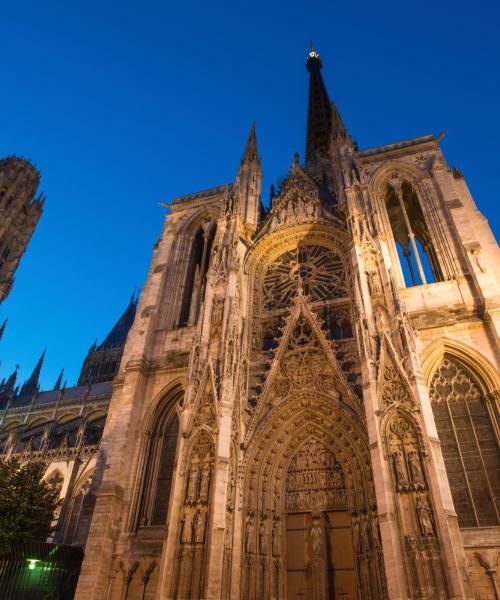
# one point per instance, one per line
(192, 488)
(205, 482)
(199, 527)
(187, 528)
(415, 469)
(249, 535)
(400, 469)
(317, 538)
(424, 514)
(262, 539)
(275, 540)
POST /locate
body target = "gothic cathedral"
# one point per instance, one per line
(307, 403)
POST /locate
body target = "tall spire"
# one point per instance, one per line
(248, 184)
(319, 112)
(31, 385)
(323, 118)
(251, 153)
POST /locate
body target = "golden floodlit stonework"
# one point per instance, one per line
(307, 403)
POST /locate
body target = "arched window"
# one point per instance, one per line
(469, 444)
(93, 431)
(158, 469)
(80, 516)
(196, 272)
(416, 252)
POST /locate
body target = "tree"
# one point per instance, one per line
(27, 503)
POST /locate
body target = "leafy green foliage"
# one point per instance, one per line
(27, 503)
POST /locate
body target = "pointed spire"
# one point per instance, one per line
(2, 328)
(59, 380)
(251, 152)
(319, 111)
(31, 385)
(9, 385)
(323, 119)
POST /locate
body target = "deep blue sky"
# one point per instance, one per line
(124, 105)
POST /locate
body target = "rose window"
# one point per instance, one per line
(319, 270)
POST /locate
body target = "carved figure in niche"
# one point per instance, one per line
(275, 539)
(400, 469)
(262, 538)
(192, 487)
(217, 312)
(424, 514)
(374, 283)
(276, 493)
(206, 412)
(249, 534)
(316, 537)
(356, 534)
(417, 476)
(187, 528)
(199, 527)
(365, 533)
(205, 482)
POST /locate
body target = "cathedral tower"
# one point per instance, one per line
(307, 402)
(19, 214)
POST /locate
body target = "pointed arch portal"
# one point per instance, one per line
(310, 520)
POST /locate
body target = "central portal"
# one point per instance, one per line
(319, 542)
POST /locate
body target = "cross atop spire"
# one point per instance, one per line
(31, 385)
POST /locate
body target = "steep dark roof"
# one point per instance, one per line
(117, 336)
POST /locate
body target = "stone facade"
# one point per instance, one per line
(307, 403)
(19, 214)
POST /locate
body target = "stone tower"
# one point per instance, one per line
(307, 403)
(19, 214)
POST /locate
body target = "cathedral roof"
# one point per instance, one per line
(117, 337)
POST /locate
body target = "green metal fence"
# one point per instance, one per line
(38, 571)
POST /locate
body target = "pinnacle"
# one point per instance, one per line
(251, 153)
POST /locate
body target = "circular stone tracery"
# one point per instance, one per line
(319, 270)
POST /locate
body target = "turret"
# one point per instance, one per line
(248, 184)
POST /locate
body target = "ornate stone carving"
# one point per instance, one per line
(319, 270)
(394, 389)
(315, 480)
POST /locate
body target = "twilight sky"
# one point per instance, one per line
(125, 105)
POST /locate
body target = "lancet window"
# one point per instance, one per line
(469, 443)
(80, 516)
(158, 468)
(414, 244)
(196, 274)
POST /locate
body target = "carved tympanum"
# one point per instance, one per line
(315, 480)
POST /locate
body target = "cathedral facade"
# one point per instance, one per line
(307, 402)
